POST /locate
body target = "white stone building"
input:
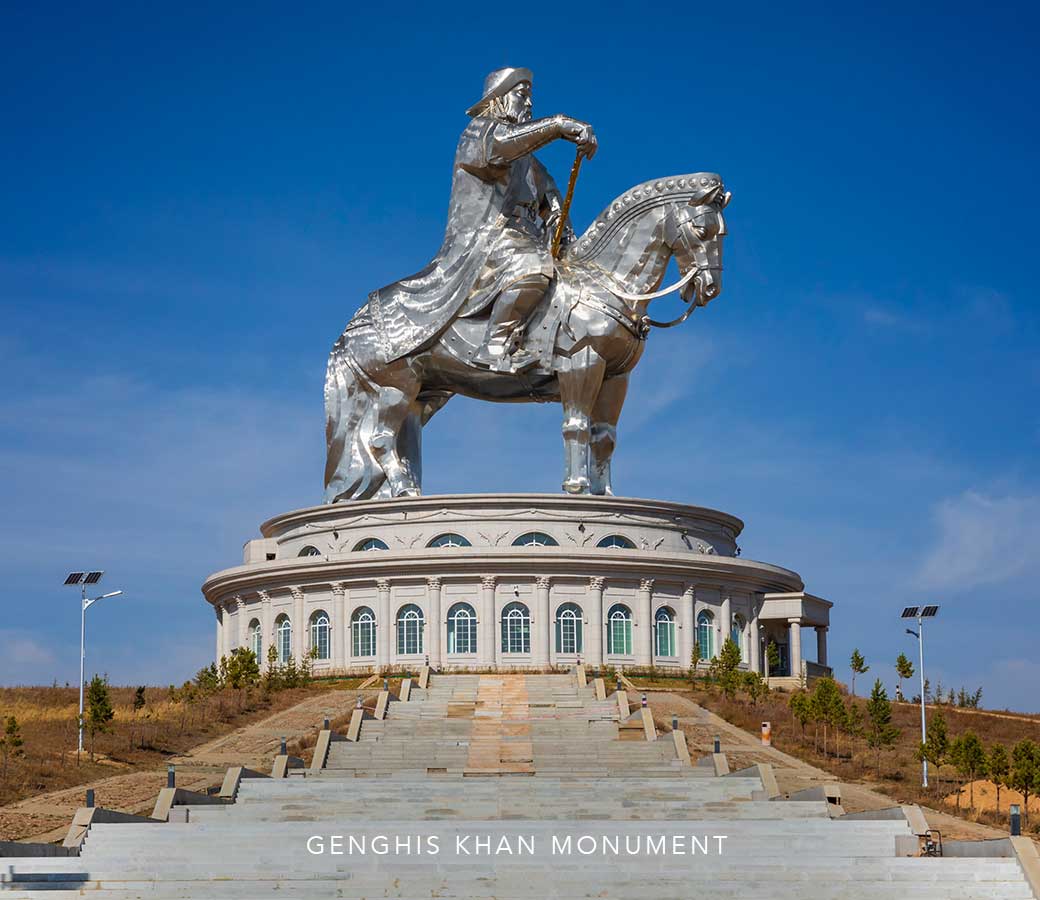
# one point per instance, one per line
(511, 581)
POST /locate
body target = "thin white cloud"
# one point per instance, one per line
(25, 660)
(981, 540)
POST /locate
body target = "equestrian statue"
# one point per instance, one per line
(514, 307)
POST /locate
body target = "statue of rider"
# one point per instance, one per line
(503, 212)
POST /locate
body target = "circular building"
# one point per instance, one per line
(512, 582)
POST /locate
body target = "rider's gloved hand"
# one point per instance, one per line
(580, 133)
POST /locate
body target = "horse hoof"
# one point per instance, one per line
(408, 492)
(576, 485)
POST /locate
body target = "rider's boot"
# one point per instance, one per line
(505, 325)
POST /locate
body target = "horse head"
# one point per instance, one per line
(694, 232)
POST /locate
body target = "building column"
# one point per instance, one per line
(433, 621)
(267, 626)
(595, 650)
(755, 637)
(488, 645)
(218, 610)
(644, 640)
(241, 619)
(794, 646)
(821, 644)
(542, 624)
(686, 625)
(384, 627)
(299, 625)
(340, 629)
(725, 617)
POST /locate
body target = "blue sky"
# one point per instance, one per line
(195, 202)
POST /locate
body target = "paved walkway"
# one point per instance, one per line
(499, 744)
(47, 816)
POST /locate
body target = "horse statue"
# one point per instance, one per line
(588, 334)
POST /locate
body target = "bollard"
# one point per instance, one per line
(618, 685)
(767, 734)
(718, 744)
(386, 684)
(675, 723)
(325, 723)
(1016, 820)
(281, 747)
(359, 704)
(90, 798)
(644, 699)
(171, 776)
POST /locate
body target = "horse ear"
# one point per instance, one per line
(725, 200)
(707, 198)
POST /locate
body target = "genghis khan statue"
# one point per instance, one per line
(503, 212)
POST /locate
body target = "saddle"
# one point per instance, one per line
(464, 337)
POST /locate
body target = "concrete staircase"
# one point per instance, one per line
(521, 761)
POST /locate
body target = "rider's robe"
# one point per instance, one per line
(494, 237)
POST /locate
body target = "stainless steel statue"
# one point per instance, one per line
(495, 316)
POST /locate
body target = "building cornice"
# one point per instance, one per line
(469, 562)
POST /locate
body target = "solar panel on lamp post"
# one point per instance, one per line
(913, 612)
(81, 580)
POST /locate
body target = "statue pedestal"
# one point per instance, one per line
(506, 581)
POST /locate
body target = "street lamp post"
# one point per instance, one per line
(928, 612)
(82, 579)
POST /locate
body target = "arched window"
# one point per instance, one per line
(616, 542)
(371, 544)
(535, 539)
(321, 634)
(568, 629)
(283, 638)
(449, 540)
(736, 633)
(363, 632)
(516, 629)
(706, 634)
(619, 630)
(256, 639)
(665, 622)
(309, 551)
(410, 624)
(462, 629)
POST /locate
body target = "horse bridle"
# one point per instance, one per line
(701, 263)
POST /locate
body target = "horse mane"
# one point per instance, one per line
(634, 203)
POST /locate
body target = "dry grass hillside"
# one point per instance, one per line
(850, 760)
(138, 740)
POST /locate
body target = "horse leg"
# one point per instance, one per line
(579, 386)
(605, 414)
(392, 407)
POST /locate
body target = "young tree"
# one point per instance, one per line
(800, 707)
(695, 659)
(1025, 762)
(940, 696)
(724, 668)
(859, 667)
(827, 705)
(999, 765)
(99, 713)
(11, 742)
(137, 706)
(969, 756)
(755, 686)
(881, 733)
(772, 657)
(936, 747)
(853, 724)
(904, 669)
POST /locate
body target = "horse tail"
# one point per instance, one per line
(351, 471)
